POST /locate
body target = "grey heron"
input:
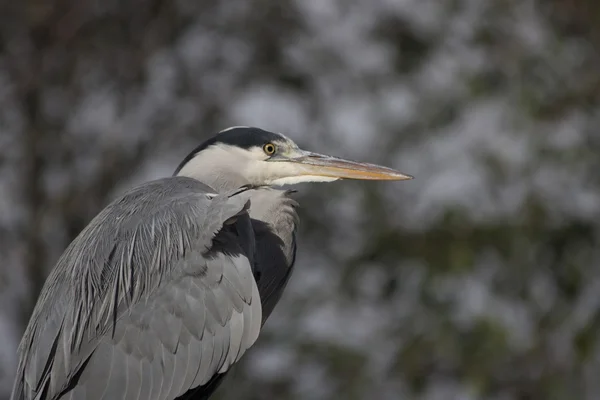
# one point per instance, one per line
(171, 283)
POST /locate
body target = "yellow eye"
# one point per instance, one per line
(269, 148)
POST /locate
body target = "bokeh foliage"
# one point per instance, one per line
(477, 280)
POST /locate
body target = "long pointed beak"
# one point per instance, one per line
(323, 165)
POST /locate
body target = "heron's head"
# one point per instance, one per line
(242, 155)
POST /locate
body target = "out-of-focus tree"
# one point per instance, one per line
(476, 280)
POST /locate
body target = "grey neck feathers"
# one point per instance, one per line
(273, 206)
(278, 210)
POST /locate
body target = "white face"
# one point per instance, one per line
(261, 171)
(224, 166)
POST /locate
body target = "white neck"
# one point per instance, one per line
(212, 168)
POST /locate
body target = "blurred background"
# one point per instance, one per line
(480, 279)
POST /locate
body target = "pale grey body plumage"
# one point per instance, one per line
(168, 298)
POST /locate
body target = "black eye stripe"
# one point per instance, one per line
(242, 137)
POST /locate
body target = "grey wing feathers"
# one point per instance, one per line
(142, 304)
